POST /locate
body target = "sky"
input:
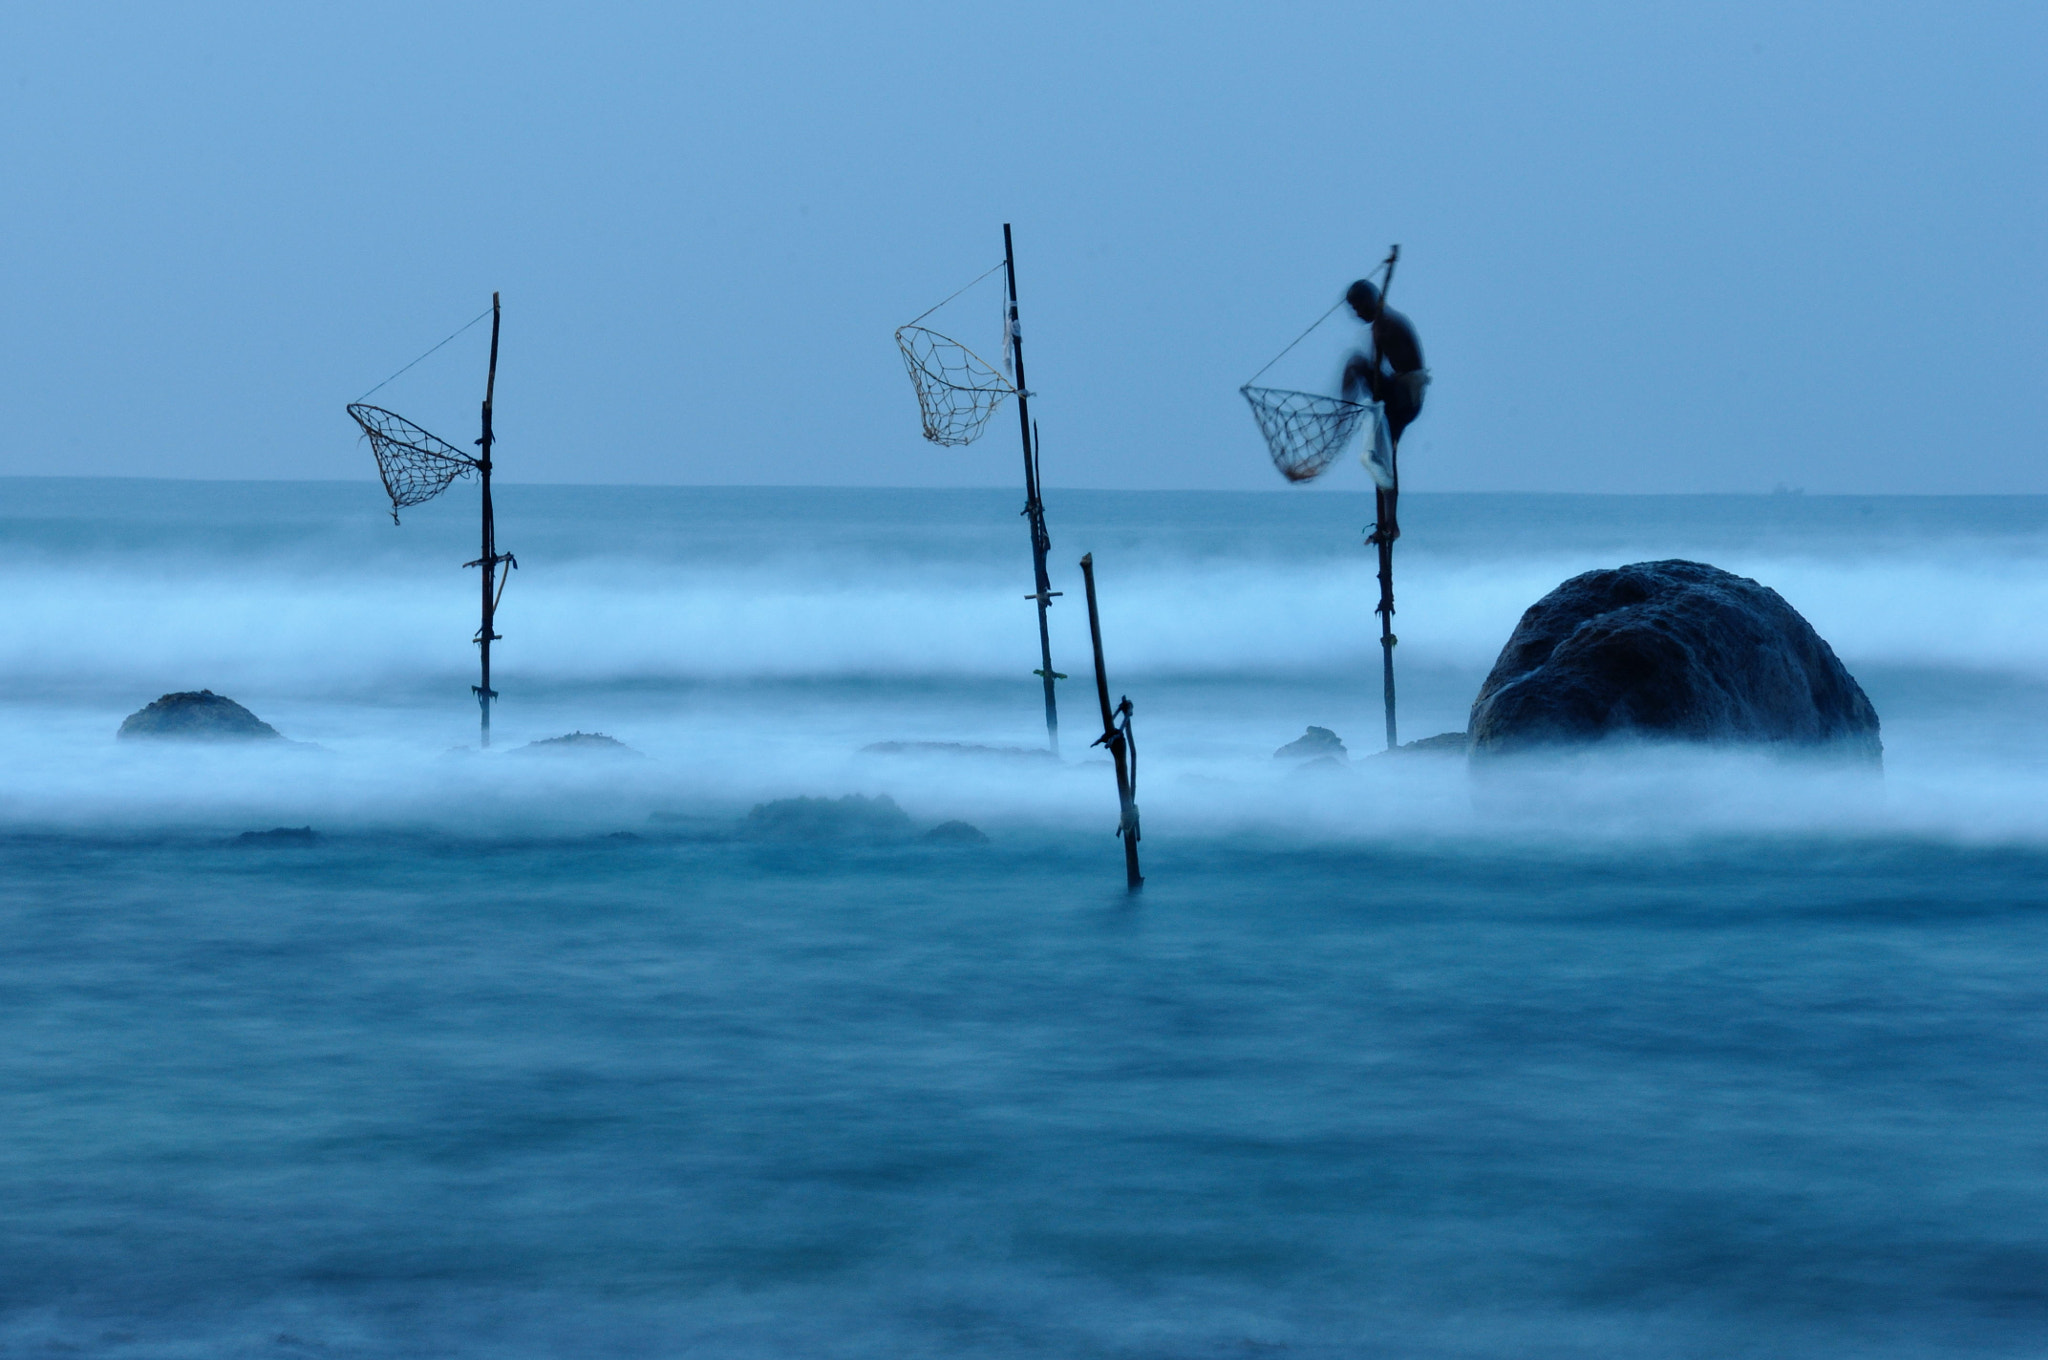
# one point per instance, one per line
(1673, 248)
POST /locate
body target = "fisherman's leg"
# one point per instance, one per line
(1401, 405)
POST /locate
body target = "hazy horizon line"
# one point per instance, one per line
(501, 481)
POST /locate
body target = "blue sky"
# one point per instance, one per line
(1649, 248)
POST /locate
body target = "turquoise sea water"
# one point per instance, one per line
(1656, 1054)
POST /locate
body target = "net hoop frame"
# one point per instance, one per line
(1305, 432)
(414, 464)
(953, 413)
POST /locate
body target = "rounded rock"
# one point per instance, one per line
(1674, 651)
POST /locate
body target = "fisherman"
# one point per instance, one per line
(1391, 373)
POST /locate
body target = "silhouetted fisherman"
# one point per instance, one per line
(1391, 373)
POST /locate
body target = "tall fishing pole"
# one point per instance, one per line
(1305, 432)
(417, 466)
(1385, 519)
(490, 557)
(1034, 509)
(957, 392)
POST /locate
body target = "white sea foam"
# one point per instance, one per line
(759, 668)
(598, 621)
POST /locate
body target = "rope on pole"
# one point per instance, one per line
(458, 330)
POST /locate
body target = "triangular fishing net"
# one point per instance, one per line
(957, 390)
(416, 466)
(1304, 432)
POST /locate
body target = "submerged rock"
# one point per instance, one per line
(1324, 767)
(279, 835)
(197, 716)
(852, 817)
(577, 744)
(1317, 742)
(957, 833)
(954, 748)
(1442, 744)
(1670, 650)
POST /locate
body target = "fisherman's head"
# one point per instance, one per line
(1364, 300)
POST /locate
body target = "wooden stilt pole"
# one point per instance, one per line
(1385, 501)
(1121, 749)
(489, 559)
(1386, 505)
(1034, 509)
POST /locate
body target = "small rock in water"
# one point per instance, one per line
(1315, 743)
(578, 743)
(806, 819)
(954, 748)
(957, 833)
(1442, 744)
(199, 715)
(280, 835)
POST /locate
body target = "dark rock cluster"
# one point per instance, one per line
(197, 716)
(579, 744)
(288, 836)
(854, 817)
(1313, 744)
(1442, 744)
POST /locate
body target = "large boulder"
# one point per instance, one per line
(197, 716)
(1670, 651)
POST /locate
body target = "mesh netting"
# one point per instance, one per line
(416, 466)
(1304, 432)
(957, 391)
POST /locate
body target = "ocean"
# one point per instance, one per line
(1647, 1053)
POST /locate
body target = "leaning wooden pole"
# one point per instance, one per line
(1034, 509)
(488, 559)
(1116, 738)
